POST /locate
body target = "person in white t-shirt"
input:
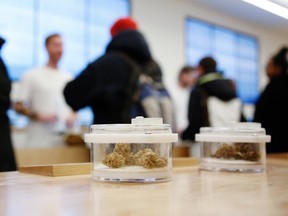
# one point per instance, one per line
(40, 98)
(180, 95)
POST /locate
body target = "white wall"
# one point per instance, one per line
(163, 24)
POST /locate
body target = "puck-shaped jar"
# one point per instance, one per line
(136, 152)
(239, 147)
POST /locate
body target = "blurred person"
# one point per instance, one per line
(7, 158)
(111, 84)
(213, 100)
(187, 77)
(271, 107)
(40, 98)
(180, 94)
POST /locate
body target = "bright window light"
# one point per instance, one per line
(270, 7)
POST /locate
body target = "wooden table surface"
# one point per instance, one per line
(191, 192)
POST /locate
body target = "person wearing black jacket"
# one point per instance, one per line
(209, 83)
(107, 84)
(272, 108)
(7, 158)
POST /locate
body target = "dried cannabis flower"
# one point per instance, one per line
(225, 151)
(138, 156)
(247, 151)
(239, 151)
(114, 160)
(149, 159)
(124, 149)
(122, 155)
(161, 162)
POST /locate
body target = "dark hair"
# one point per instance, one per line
(280, 59)
(208, 64)
(48, 38)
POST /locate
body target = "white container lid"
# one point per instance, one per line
(141, 130)
(234, 132)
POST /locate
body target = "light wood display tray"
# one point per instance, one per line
(57, 169)
(85, 168)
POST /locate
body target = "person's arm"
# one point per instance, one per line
(104, 78)
(77, 92)
(21, 109)
(31, 114)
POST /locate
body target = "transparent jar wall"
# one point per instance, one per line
(241, 157)
(149, 162)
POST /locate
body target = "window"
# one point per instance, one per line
(236, 54)
(84, 26)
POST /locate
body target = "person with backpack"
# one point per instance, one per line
(213, 100)
(111, 84)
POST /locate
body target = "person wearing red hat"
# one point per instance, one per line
(107, 84)
(123, 24)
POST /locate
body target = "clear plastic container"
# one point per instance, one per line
(137, 152)
(238, 147)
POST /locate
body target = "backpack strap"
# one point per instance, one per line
(133, 86)
(136, 67)
(132, 90)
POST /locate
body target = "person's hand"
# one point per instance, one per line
(46, 118)
(71, 120)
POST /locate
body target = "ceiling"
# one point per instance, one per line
(246, 12)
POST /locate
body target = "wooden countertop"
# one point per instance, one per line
(191, 192)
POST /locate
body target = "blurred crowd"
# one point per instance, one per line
(127, 81)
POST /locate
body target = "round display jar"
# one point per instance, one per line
(238, 147)
(136, 152)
